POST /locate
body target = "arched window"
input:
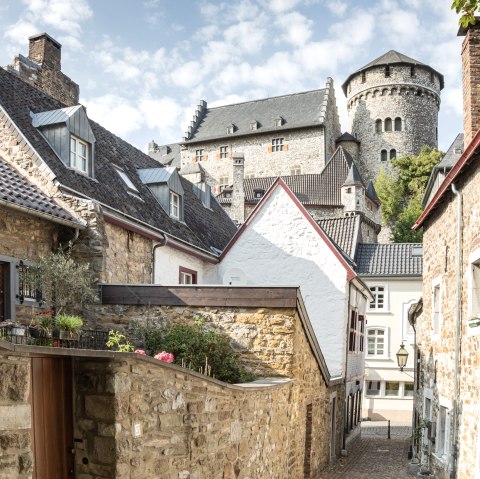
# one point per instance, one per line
(383, 155)
(393, 154)
(388, 124)
(364, 77)
(378, 126)
(387, 70)
(398, 124)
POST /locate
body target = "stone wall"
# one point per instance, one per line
(196, 427)
(437, 352)
(15, 418)
(414, 99)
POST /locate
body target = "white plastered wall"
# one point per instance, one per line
(281, 247)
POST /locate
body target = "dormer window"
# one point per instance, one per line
(258, 193)
(278, 121)
(128, 182)
(254, 125)
(78, 154)
(174, 205)
(230, 129)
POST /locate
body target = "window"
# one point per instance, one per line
(436, 306)
(277, 144)
(387, 71)
(174, 205)
(378, 302)
(249, 175)
(383, 155)
(198, 155)
(393, 154)
(413, 71)
(442, 432)
(230, 129)
(254, 125)
(398, 124)
(258, 193)
(378, 126)
(408, 389)
(474, 293)
(223, 152)
(364, 77)
(278, 121)
(373, 388)
(296, 170)
(187, 276)
(392, 388)
(223, 181)
(376, 341)
(353, 327)
(29, 290)
(78, 154)
(388, 124)
(128, 182)
(361, 332)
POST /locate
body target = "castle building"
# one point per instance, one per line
(393, 105)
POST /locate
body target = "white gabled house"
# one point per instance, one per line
(281, 244)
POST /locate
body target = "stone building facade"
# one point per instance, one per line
(393, 105)
(448, 328)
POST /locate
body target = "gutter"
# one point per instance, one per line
(454, 453)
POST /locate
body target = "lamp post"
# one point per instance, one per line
(402, 357)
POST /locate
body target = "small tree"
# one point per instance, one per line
(467, 8)
(67, 285)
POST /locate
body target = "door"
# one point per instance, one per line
(333, 429)
(52, 418)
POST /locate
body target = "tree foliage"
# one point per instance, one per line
(401, 191)
(467, 8)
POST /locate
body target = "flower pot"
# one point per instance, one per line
(18, 330)
(68, 334)
(36, 333)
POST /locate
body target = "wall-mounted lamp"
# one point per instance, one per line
(402, 357)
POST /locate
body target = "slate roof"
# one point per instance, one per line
(168, 155)
(298, 110)
(343, 231)
(392, 57)
(347, 137)
(395, 259)
(203, 228)
(319, 189)
(15, 189)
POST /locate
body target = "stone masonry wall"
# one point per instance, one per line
(305, 149)
(128, 258)
(194, 427)
(437, 355)
(16, 457)
(415, 99)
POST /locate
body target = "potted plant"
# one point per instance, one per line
(69, 325)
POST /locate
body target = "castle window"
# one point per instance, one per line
(393, 154)
(198, 155)
(224, 152)
(383, 155)
(296, 170)
(378, 126)
(413, 71)
(398, 124)
(364, 77)
(223, 181)
(387, 71)
(388, 124)
(277, 144)
(432, 77)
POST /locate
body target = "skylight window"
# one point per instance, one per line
(128, 182)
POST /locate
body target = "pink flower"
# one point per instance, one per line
(164, 356)
(140, 351)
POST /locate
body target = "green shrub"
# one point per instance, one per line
(69, 322)
(194, 347)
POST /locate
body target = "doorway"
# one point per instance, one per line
(52, 418)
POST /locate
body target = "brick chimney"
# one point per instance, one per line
(237, 211)
(471, 80)
(42, 69)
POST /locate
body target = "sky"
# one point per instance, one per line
(143, 65)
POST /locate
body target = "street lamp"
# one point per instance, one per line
(402, 357)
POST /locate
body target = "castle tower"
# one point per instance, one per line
(393, 105)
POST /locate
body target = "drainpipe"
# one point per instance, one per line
(158, 245)
(457, 332)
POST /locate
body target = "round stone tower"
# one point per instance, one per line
(393, 105)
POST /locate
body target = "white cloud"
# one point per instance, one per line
(338, 8)
(246, 36)
(20, 31)
(160, 113)
(296, 28)
(281, 6)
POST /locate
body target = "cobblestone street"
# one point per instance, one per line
(374, 457)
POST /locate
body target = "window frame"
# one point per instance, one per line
(126, 180)
(397, 124)
(295, 170)
(172, 205)
(436, 316)
(386, 306)
(277, 144)
(199, 155)
(473, 284)
(398, 395)
(385, 354)
(383, 155)
(388, 125)
(367, 389)
(186, 272)
(74, 154)
(224, 152)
